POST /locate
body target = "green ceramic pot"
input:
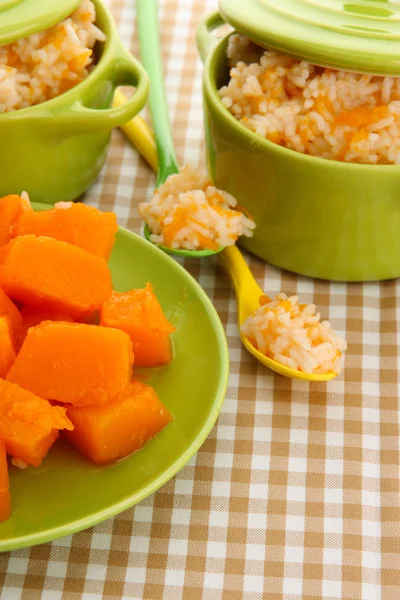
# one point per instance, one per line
(315, 217)
(55, 150)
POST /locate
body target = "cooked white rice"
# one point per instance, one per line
(293, 335)
(47, 64)
(318, 111)
(188, 212)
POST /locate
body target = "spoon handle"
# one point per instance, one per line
(247, 289)
(150, 51)
(139, 134)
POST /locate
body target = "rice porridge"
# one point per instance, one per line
(47, 64)
(293, 335)
(317, 111)
(188, 212)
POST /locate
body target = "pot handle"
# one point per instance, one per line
(125, 70)
(204, 38)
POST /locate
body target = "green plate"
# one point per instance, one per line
(67, 493)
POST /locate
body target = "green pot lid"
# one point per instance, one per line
(357, 35)
(20, 18)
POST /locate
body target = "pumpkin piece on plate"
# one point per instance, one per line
(76, 223)
(11, 208)
(139, 314)
(5, 503)
(107, 433)
(29, 425)
(9, 310)
(45, 272)
(7, 346)
(34, 315)
(74, 363)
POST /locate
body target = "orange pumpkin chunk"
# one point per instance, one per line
(5, 503)
(74, 363)
(34, 315)
(11, 208)
(139, 313)
(29, 425)
(106, 433)
(54, 275)
(78, 224)
(7, 347)
(9, 310)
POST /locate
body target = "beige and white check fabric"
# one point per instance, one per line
(295, 494)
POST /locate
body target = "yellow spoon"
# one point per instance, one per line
(248, 293)
(139, 134)
(247, 290)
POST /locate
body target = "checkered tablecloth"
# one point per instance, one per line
(295, 494)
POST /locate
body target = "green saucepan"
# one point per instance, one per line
(315, 217)
(55, 150)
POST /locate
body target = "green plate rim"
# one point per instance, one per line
(118, 507)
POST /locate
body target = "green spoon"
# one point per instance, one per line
(150, 51)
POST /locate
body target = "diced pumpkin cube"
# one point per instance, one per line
(54, 275)
(7, 347)
(76, 223)
(139, 313)
(5, 503)
(34, 315)
(74, 363)
(11, 208)
(106, 433)
(9, 310)
(29, 425)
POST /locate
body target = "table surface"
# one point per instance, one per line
(295, 494)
